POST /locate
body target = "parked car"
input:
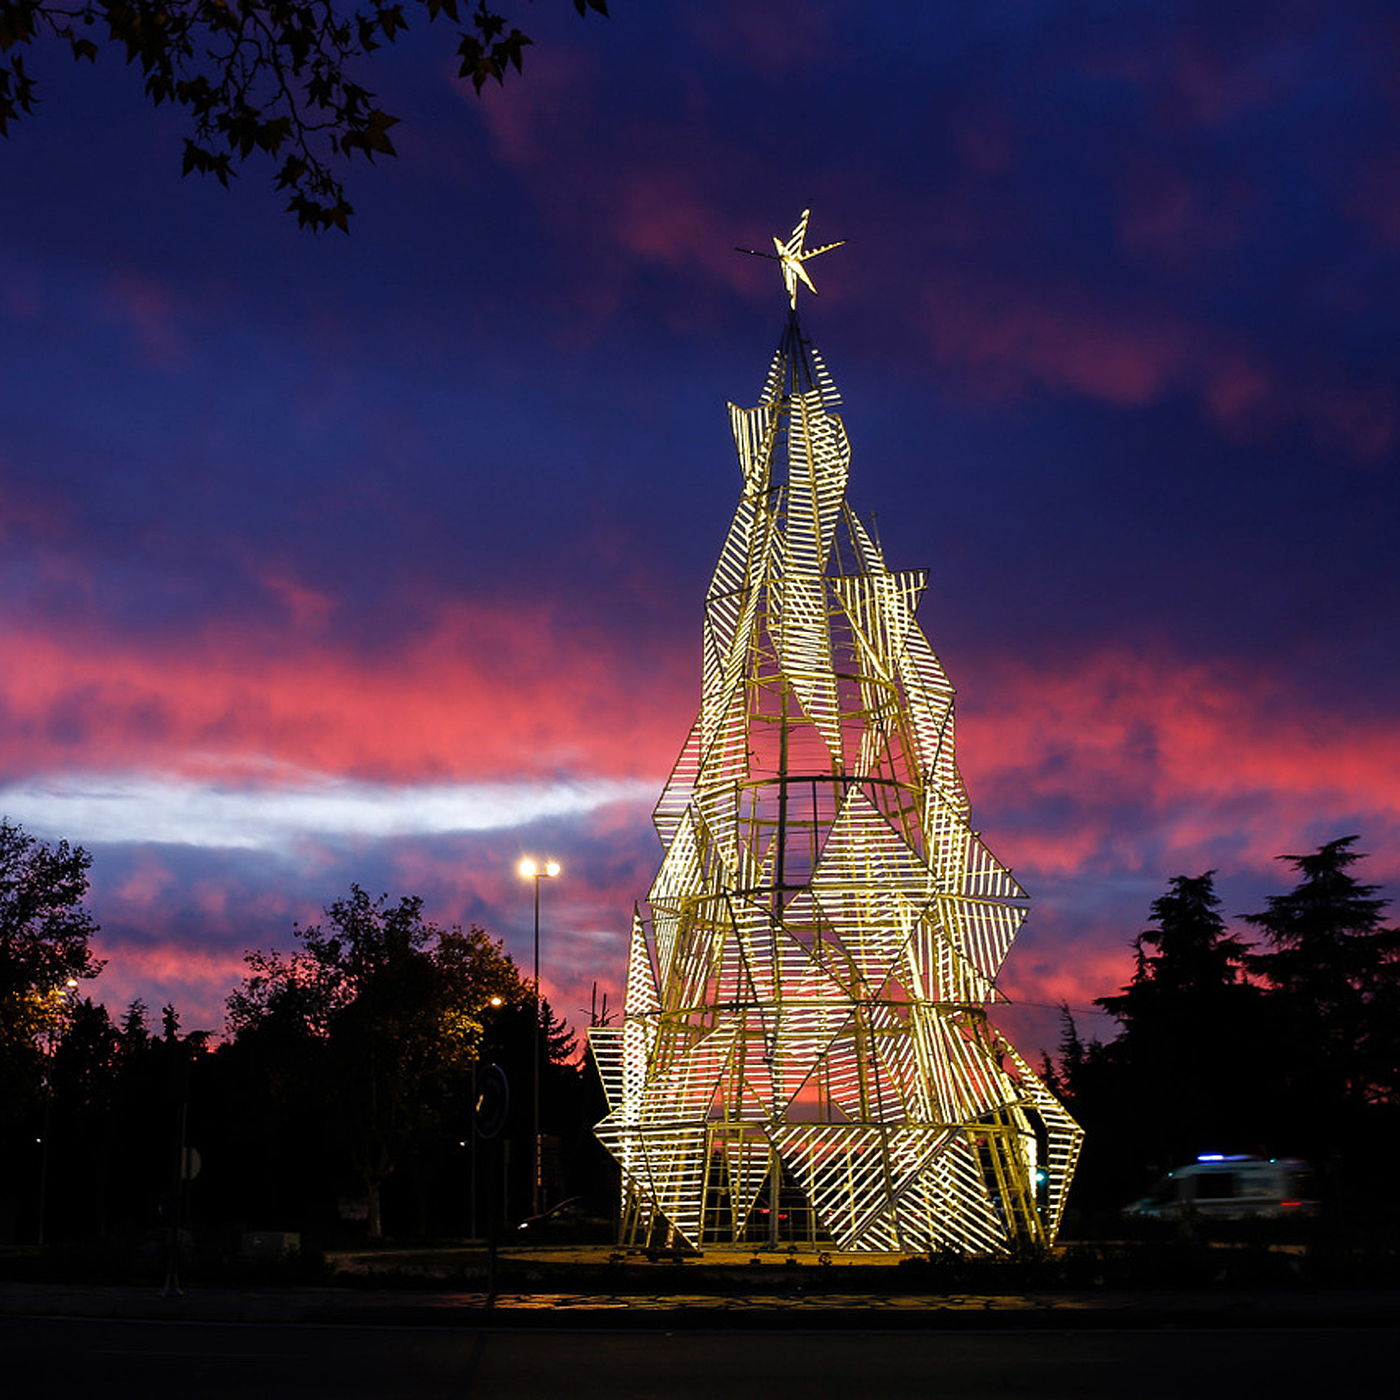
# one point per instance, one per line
(569, 1222)
(1220, 1187)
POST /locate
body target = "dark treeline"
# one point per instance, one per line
(339, 1101)
(338, 1104)
(1282, 1044)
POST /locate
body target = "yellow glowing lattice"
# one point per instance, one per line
(805, 1054)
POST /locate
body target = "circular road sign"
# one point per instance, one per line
(492, 1101)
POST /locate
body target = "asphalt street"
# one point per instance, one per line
(62, 1356)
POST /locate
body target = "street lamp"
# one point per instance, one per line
(537, 871)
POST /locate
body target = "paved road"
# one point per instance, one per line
(115, 1359)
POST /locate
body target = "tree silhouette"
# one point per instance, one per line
(1290, 1049)
(1181, 1076)
(1189, 1027)
(44, 952)
(82, 1082)
(1333, 971)
(381, 1015)
(44, 928)
(266, 76)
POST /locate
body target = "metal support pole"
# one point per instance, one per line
(535, 1163)
(472, 1135)
(177, 1175)
(775, 1194)
(537, 871)
(44, 1155)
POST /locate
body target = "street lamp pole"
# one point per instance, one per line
(65, 993)
(537, 871)
(473, 1129)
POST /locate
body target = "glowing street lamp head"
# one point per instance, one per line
(528, 869)
(551, 868)
(536, 870)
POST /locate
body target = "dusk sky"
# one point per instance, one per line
(382, 558)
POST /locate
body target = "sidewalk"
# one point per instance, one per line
(763, 1310)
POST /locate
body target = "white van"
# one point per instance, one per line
(1221, 1187)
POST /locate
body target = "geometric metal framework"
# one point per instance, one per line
(805, 1055)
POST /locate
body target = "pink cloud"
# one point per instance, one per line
(1239, 395)
(1056, 335)
(1095, 780)
(25, 296)
(669, 194)
(21, 512)
(307, 609)
(1375, 200)
(1006, 338)
(145, 885)
(487, 693)
(194, 979)
(1059, 973)
(152, 314)
(986, 141)
(662, 217)
(526, 118)
(1070, 967)
(1197, 78)
(1195, 751)
(1359, 419)
(1194, 762)
(1171, 220)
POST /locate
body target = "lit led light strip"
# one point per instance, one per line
(805, 1054)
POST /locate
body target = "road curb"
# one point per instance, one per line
(378, 1308)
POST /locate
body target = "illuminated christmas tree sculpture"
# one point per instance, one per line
(805, 1055)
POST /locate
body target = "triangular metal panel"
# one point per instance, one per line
(642, 997)
(747, 1160)
(605, 1045)
(753, 440)
(842, 1171)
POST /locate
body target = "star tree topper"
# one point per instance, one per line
(791, 255)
